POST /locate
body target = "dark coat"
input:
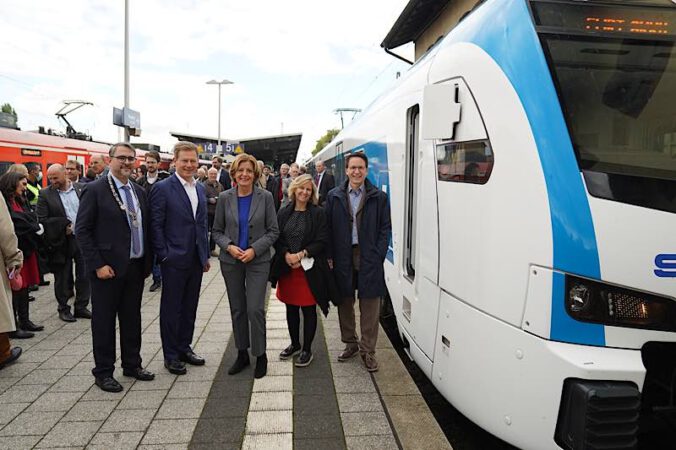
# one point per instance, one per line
(326, 184)
(52, 216)
(143, 181)
(274, 186)
(373, 228)
(212, 191)
(316, 238)
(25, 227)
(102, 229)
(177, 236)
(225, 180)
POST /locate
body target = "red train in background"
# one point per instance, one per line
(27, 146)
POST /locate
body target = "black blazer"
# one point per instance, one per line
(327, 183)
(225, 180)
(315, 240)
(52, 216)
(102, 230)
(274, 186)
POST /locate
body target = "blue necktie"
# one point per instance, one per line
(135, 238)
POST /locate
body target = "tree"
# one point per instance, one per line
(7, 108)
(322, 141)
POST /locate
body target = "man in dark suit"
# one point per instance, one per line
(223, 175)
(112, 231)
(57, 212)
(179, 237)
(274, 185)
(323, 180)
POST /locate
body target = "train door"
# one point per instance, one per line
(421, 250)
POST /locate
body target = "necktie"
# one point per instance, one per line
(135, 238)
(317, 180)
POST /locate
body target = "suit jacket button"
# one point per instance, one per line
(250, 225)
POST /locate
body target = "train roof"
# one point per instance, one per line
(30, 139)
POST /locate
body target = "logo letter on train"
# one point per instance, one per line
(666, 265)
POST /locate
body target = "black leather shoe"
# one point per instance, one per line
(14, 354)
(261, 366)
(139, 373)
(108, 384)
(155, 286)
(304, 359)
(192, 359)
(21, 334)
(288, 352)
(176, 367)
(30, 326)
(31, 298)
(66, 316)
(83, 313)
(240, 363)
(44, 283)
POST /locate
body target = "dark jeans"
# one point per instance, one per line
(63, 279)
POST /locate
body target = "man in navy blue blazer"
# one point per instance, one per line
(178, 213)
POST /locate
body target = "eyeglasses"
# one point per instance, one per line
(127, 159)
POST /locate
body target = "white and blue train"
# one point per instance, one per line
(530, 160)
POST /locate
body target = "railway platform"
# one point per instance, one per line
(48, 399)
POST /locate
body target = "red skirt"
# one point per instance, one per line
(293, 289)
(30, 273)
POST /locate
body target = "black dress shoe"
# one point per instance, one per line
(139, 373)
(108, 384)
(304, 359)
(21, 334)
(155, 286)
(33, 288)
(176, 367)
(66, 316)
(83, 313)
(44, 283)
(240, 363)
(288, 352)
(31, 298)
(30, 326)
(261, 366)
(192, 359)
(14, 354)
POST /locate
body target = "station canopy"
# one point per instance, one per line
(413, 21)
(273, 150)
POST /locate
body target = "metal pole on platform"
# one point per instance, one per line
(219, 83)
(126, 63)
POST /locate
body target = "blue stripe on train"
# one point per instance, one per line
(503, 28)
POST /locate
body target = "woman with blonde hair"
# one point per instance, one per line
(245, 228)
(300, 269)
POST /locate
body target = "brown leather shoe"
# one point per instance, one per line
(370, 362)
(349, 352)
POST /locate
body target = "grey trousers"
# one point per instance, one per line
(246, 285)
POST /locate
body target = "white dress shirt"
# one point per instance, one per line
(190, 189)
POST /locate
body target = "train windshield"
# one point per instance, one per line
(615, 73)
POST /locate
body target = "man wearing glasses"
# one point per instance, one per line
(112, 231)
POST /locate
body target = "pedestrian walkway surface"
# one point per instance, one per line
(48, 398)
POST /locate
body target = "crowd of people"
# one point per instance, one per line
(104, 232)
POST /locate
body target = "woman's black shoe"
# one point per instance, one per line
(21, 334)
(261, 366)
(14, 354)
(30, 326)
(288, 352)
(240, 363)
(304, 359)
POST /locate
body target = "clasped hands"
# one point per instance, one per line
(242, 255)
(293, 259)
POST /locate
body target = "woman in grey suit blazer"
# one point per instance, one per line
(245, 228)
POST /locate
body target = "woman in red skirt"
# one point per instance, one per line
(27, 229)
(302, 239)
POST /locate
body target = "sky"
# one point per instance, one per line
(292, 63)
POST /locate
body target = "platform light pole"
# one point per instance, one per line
(126, 63)
(219, 83)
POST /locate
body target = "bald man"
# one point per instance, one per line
(99, 164)
(57, 211)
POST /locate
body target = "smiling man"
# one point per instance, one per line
(179, 224)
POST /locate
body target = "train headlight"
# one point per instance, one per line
(599, 302)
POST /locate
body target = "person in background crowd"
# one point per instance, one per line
(261, 182)
(11, 262)
(245, 228)
(27, 229)
(112, 231)
(358, 216)
(303, 237)
(302, 170)
(57, 212)
(73, 170)
(89, 176)
(148, 181)
(294, 171)
(142, 171)
(213, 189)
(179, 235)
(34, 183)
(223, 172)
(275, 185)
(324, 181)
(20, 168)
(201, 176)
(99, 165)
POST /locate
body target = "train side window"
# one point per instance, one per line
(4, 166)
(465, 162)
